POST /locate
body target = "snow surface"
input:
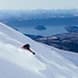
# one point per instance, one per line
(48, 62)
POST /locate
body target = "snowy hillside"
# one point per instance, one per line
(18, 63)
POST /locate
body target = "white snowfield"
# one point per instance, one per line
(48, 62)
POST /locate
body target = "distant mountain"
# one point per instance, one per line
(39, 17)
(34, 37)
(72, 28)
(66, 41)
(40, 27)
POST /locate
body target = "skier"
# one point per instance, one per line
(27, 47)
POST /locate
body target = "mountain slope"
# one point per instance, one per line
(47, 63)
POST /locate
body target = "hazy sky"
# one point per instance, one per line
(38, 4)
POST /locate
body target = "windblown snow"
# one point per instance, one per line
(18, 63)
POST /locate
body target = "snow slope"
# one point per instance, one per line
(72, 56)
(18, 63)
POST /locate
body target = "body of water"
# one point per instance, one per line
(49, 25)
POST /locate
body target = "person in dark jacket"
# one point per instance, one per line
(27, 47)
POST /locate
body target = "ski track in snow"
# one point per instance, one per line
(47, 63)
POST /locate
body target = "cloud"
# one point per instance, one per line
(38, 4)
